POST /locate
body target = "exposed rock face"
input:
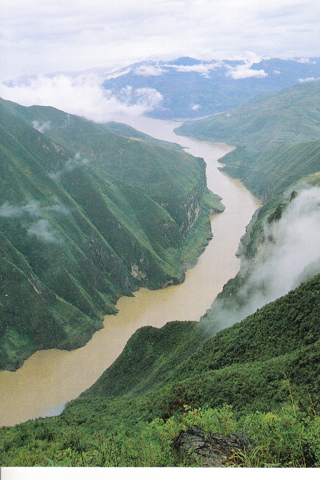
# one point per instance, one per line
(211, 449)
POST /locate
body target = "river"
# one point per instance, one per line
(50, 378)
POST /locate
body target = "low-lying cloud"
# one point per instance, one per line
(203, 69)
(31, 214)
(69, 166)
(308, 79)
(244, 71)
(32, 208)
(149, 70)
(41, 127)
(43, 231)
(82, 95)
(290, 256)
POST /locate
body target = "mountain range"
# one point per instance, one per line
(88, 215)
(189, 88)
(250, 366)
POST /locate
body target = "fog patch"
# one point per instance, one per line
(244, 70)
(69, 166)
(32, 208)
(149, 71)
(148, 98)
(43, 231)
(203, 69)
(290, 256)
(118, 73)
(41, 127)
(308, 79)
(82, 95)
(31, 215)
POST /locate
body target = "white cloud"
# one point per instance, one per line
(43, 231)
(41, 127)
(39, 37)
(81, 95)
(69, 166)
(201, 68)
(31, 214)
(309, 79)
(244, 70)
(289, 257)
(118, 73)
(148, 98)
(149, 70)
(305, 60)
(7, 210)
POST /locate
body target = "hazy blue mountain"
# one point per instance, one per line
(192, 88)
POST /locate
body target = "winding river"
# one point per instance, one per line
(50, 378)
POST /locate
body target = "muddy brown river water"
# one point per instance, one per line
(50, 378)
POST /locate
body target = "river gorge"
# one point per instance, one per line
(50, 378)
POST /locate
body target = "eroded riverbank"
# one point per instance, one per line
(51, 378)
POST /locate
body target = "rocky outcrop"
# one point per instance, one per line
(211, 449)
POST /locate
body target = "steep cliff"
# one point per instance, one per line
(86, 215)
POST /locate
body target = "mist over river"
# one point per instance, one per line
(50, 378)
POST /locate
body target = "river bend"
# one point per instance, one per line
(50, 378)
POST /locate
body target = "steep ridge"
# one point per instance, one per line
(86, 216)
(283, 117)
(269, 172)
(266, 361)
(275, 335)
(259, 365)
(284, 175)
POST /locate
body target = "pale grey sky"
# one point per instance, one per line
(38, 37)
(70, 35)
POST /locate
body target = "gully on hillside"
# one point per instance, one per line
(50, 378)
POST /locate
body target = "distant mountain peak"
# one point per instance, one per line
(185, 61)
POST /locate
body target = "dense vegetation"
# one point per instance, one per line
(87, 215)
(283, 117)
(259, 377)
(269, 172)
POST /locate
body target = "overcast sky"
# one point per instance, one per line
(70, 35)
(38, 37)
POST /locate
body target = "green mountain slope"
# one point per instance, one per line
(261, 375)
(87, 216)
(287, 116)
(275, 335)
(262, 364)
(269, 172)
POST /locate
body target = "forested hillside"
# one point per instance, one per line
(286, 116)
(259, 378)
(87, 215)
(250, 366)
(269, 172)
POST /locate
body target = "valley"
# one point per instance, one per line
(251, 364)
(51, 378)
